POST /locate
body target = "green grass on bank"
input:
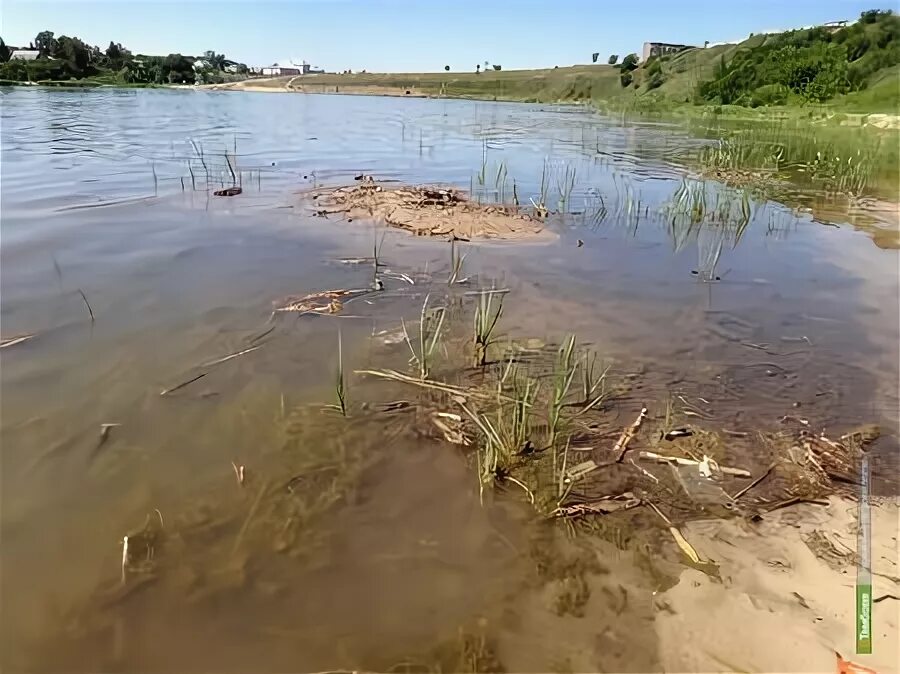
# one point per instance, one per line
(598, 85)
(851, 69)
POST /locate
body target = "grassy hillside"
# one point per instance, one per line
(853, 69)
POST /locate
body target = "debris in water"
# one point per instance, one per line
(682, 542)
(686, 547)
(228, 192)
(238, 473)
(603, 506)
(678, 433)
(325, 302)
(12, 341)
(799, 420)
(223, 359)
(104, 432)
(709, 465)
(627, 435)
(87, 304)
(124, 558)
(754, 483)
(167, 391)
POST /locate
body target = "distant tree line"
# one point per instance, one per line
(67, 58)
(813, 64)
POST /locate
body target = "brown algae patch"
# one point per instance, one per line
(429, 211)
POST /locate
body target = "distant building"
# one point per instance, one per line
(277, 70)
(292, 68)
(662, 48)
(25, 54)
(835, 25)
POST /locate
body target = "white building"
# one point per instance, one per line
(280, 69)
(24, 54)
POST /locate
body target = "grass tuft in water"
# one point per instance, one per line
(842, 161)
(376, 253)
(563, 375)
(507, 428)
(486, 317)
(340, 388)
(593, 382)
(431, 322)
(456, 264)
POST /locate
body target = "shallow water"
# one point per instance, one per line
(97, 198)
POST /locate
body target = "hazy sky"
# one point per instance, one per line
(412, 35)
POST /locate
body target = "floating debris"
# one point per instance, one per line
(230, 356)
(104, 431)
(238, 473)
(706, 465)
(325, 302)
(12, 341)
(228, 192)
(628, 434)
(167, 391)
(602, 506)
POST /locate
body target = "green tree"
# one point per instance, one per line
(177, 69)
(75, 54)
(4, 51)
(613, 59)
(629, 63)
(116, 55)
(45, 43)
(217, 61)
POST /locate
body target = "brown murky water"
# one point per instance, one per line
(361, 542)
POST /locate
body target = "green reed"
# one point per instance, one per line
(839, 159)
(456, 264)
(563, 375)
(593, 382)
(506, 429)
(340, 384)
(431, 322)
(486, 317)
(565, 185)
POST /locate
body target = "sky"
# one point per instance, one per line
(413, 35)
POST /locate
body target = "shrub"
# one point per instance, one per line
(769, 94)
(629, 63)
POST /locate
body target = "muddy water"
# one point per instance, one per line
(361, 543)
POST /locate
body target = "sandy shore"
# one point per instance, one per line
(280, 86)
(780, 605)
